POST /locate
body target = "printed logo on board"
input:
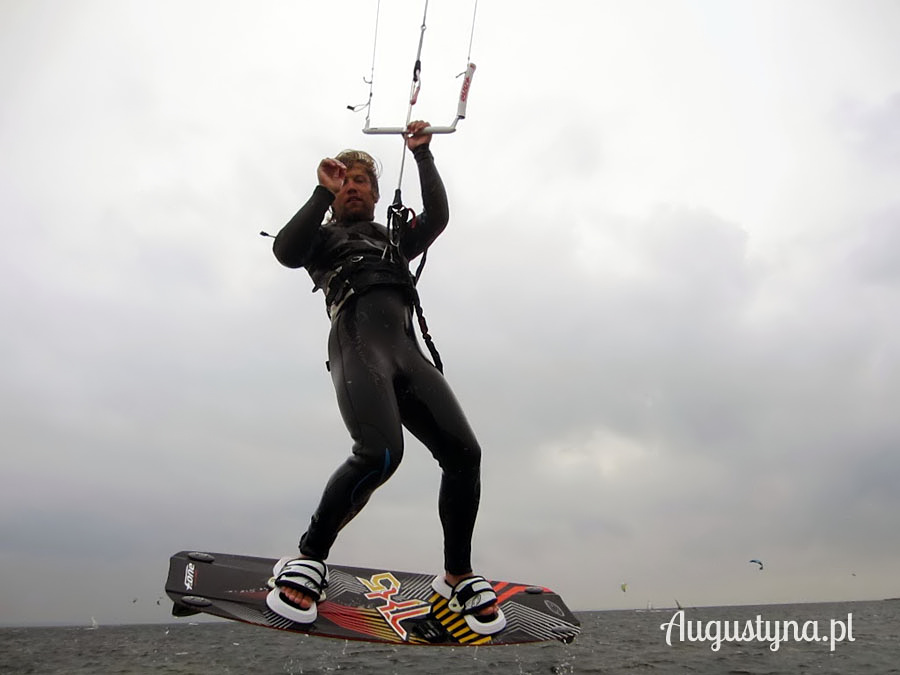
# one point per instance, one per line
(384, 586)
(189, 572)
(554, 608)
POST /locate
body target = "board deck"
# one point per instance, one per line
(374, 605)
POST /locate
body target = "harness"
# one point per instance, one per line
(360, 274)
(357, 276)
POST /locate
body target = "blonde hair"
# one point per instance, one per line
(351, 158)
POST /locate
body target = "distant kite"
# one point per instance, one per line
(758, 562)
(624, 587)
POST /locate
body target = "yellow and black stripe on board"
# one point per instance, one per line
(455, 624)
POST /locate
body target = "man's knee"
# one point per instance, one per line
(377, 463)
(464, 458)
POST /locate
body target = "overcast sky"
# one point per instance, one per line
(667, 297)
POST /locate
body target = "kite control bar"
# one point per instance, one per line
(460, 111)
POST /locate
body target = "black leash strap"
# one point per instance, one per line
(399, 219)
(423, 327)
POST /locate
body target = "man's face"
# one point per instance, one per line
(356, 199)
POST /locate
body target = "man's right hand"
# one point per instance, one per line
(331, 174)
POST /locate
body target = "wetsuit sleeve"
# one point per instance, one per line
(435, 209)
(295, 242)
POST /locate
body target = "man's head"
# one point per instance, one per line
(356, 199)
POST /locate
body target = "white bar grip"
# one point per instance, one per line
(402, 130)
(464, 91)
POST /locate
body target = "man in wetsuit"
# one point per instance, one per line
(382, 379)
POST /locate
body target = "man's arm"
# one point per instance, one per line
(295, 239)
(435, 208)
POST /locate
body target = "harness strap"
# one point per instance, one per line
(358, 275)
(423, 327)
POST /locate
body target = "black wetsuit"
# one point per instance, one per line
(382, 379)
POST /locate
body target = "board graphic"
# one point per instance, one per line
(362, 604)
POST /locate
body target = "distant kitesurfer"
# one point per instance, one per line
(381, 377)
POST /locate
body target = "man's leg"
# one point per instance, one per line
(431, 412)
(368, 405)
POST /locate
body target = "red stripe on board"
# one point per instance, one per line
(357, 620)
(501, 597)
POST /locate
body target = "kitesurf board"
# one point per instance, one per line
(374, 605)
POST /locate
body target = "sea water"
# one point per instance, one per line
(858, 638)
